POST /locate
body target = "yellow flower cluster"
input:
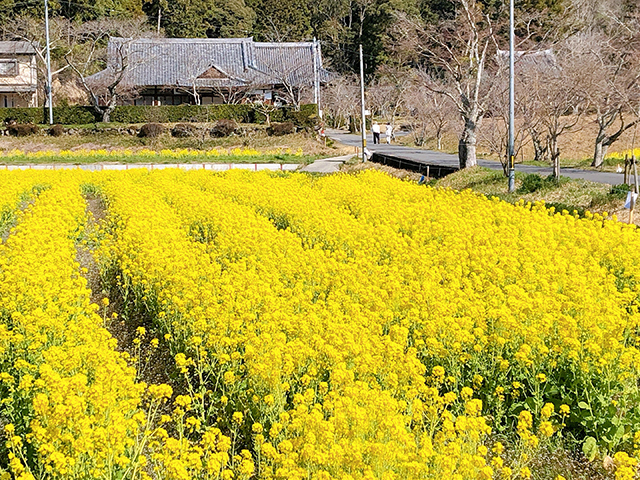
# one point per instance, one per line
(620, 155)
(68, 396)
(290, 339)
(147, 154)
(15, 190)
(70, 406)
(343, 327)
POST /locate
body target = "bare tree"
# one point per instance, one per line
(599, 13)
(264, 108)
(196, 67)
(231, 94)
(111, 84)
(495, 132)
(202, 74)
(611, 84)
(459, 50)
(32, 30)
(430, 113)
(386, 94)
(342, 101)
(557, 96)
(291, 73)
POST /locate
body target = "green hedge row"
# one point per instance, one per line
(66, 115)
(79, 115)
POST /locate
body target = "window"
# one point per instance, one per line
(8, 68)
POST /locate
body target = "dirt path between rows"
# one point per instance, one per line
(153, 364)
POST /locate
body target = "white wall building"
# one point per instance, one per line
(18, 75)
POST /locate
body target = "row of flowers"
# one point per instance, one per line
(71, 406)
(626, 153)
(339, 327)
(182, 153)
(362, 327)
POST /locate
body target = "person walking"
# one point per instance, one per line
(375, 129)
(388, 131)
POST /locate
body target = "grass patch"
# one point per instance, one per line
(573, 195)
(255, 139)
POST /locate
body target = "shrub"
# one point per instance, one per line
(183, 130)
(279, 129)
(620, 191)
(138, 114)
(223, 128)
(22, 130)
(182, 113)
(531, 182)
(74, 115)
(21, 115)
(151, 130)
(56, 130)
(307, 116)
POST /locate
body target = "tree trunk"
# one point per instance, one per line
(467, 145)
(196, 95)
(600, 152)
(604, 141)
(556, 165)
(439, 140)
(540, 151)
(106, 112)
(353, 126)
(111, 105)
(600, 149)
(555, 157)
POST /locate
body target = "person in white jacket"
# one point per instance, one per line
(375, 129)
(388, 131)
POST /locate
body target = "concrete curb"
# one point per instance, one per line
(157, 166)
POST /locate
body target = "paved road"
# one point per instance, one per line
(326, 165)
(446, 159)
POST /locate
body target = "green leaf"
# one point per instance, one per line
(619, 434)
(583, 405)
(590, 448)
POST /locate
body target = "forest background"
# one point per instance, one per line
(436, 66)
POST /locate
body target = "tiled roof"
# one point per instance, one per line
(540, 59)
(16, 48)
(240, 61)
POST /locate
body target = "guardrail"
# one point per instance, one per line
(429, 170)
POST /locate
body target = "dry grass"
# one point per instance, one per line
(567, 194)
(110, 141)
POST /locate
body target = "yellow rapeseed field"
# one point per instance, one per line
(117, 154)
(343, 327)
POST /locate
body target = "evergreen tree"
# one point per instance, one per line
(201, 18)
(282, 20)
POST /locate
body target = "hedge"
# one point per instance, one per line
(78, 115)
(74, 115)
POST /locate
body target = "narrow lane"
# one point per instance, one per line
(430, 157)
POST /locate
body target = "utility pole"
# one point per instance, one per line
(511, 152)
(364, 122)
(48, 86)
(316, 77)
